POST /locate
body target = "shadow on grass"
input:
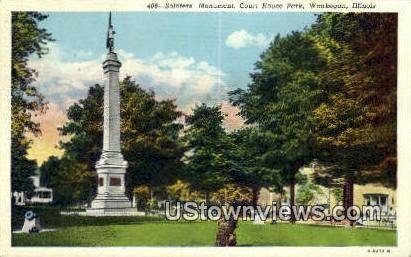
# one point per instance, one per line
(50, 217)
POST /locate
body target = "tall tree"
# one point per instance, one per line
(211, 162)
(27, 39)
(150, 136)
(284, 91)
(357, 120)
(73, 182)
(226, 166)
(253, 173)
(208, 162)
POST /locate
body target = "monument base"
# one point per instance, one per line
(111, 212)
(111, 197)
(107, 203)
(111, 201)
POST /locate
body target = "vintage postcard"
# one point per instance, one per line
(236, 128)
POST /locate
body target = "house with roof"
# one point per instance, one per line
(40, 195)
(364, 195)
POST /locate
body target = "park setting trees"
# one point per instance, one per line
(208, 163)
(324, 95)
(27, 39)
(356, 123)
(329, 93)
(280, 100)
(253, 173)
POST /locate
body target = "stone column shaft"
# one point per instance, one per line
(111, 141)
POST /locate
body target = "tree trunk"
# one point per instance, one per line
(292, 197)
(348, 197)
(207, 199)
(256, 193)
(226, 232)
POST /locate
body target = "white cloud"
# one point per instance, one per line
(241, 38)
(56, 76)
(170, 75)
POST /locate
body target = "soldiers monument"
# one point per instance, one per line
(111, 167)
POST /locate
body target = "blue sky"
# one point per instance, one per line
(175, 42)
(191, 57)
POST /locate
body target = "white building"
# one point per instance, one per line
(40, 194)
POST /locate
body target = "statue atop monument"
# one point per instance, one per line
(110, 35)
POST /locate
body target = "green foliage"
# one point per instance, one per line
(226, 167)
(22, 168)
(27, 39)
(329, 93)
(150, 137)
(142, 192)
(182, 191)
(306, 192)
(72, 181)
(357, 120)
(284, 91)
(49, 170)
(75, 182)
(209, 163)
(337, 193)
(232, 193)
(252, 144)
(85, 128)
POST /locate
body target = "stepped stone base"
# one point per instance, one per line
(112, 214)
(110, 203)
(109, 212)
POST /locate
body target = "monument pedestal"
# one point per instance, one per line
(111, 169)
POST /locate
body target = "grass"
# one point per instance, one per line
(140, 234)
(149, 231)
(313, 235)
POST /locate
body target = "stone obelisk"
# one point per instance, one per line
(111, 167)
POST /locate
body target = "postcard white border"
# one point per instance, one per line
(403, 249)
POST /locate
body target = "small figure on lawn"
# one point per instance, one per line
(31, 222)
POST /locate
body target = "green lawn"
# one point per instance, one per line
(146, 231)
